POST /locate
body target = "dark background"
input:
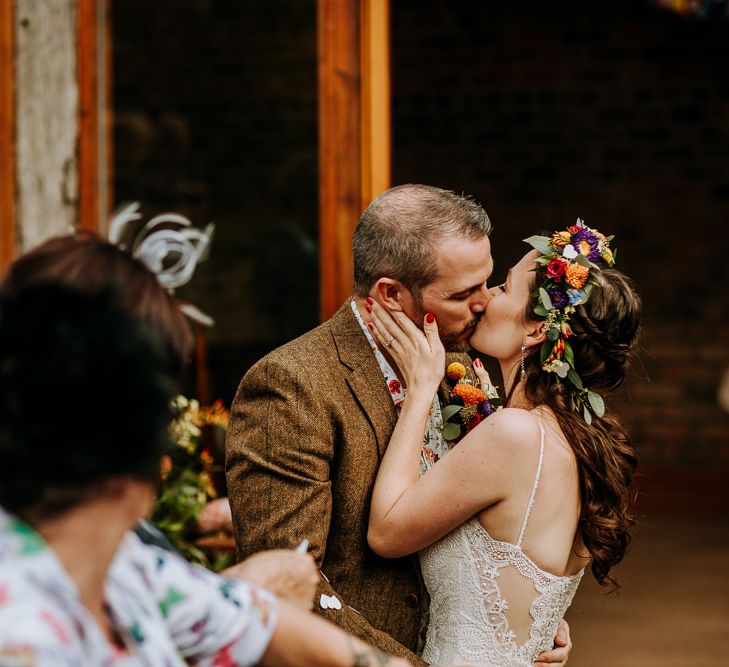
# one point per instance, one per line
(614, 111)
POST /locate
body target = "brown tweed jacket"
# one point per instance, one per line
(308, 427)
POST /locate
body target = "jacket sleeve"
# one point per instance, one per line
(279, 449)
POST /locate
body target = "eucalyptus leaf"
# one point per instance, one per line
(553, 335)
(451, 431)
(574, 378)
(569, 355)
(598, 405)
(540, 310)
(581, 259)
(586, 290)
(586, 414)
(450, 410)
(546, 301)
(615, 254)
(541, 243)
(562, 369)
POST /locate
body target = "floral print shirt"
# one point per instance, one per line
(167, 612)
(435, 446)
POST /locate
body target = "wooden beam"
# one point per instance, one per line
(354, 131)
(375, 102)
(7, 135)
(88, 88)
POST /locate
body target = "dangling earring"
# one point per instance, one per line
(523, 350)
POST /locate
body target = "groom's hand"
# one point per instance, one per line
(561, 651)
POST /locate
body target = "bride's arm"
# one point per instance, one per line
(409, 512)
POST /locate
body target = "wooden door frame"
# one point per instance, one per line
(95, 113)
(7, 134)
(354, 131)
(93, 76)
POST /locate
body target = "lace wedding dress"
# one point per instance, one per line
(489, 603)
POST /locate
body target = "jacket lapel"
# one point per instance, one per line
(363, 375)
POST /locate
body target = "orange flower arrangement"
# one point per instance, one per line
(470, 394)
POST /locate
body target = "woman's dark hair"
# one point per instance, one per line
(91, 265)
(84, 396)
(605, 335)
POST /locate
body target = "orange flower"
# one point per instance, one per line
(577, 275)
(456, 371)
(165, 466)
(471, 395)
(557, 351)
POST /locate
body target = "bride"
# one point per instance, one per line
(507, 522)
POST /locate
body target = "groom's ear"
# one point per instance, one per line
(391, 293)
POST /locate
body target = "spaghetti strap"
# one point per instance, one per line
(534, 488)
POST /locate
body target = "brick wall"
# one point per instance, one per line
(613, 110)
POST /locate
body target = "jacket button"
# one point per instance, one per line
(412, 600)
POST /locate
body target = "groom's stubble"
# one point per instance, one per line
(453, 341)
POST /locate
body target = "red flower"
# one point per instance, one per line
(394, 386)
(556, 269)
(474, 421)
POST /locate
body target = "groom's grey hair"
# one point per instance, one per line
(399, 233)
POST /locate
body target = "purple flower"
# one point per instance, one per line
(586, 242)
(558, 296)
(485, 408)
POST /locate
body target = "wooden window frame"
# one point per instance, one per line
(354, 131)
(7, 135)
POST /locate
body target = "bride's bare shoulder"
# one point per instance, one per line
(512, 429)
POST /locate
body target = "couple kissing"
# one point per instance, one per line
(473, 559)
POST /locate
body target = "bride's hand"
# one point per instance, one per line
(419, 356)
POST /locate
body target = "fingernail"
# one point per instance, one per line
(368, 308)
(430, 318)
(371, 326)
(369, 301)
(477, 362)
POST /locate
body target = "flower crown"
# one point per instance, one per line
(567, 264)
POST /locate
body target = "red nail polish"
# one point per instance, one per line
(430, 318)
(368, 308)
(371, 326)
(369, 301)
(477, 362)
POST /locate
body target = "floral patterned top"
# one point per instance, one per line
(166, 612)
(435, 446)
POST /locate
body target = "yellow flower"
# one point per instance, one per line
(561, 239)
(471, 395)
(577, 275)
(456, 371)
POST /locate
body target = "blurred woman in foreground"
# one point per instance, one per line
(88, 363)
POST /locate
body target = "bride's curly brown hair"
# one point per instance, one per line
(605, 335)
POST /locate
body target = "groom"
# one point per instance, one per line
(312, 419)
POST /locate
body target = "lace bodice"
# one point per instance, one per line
(490, 604)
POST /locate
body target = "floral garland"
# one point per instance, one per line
(566, 265)
(467, 404)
